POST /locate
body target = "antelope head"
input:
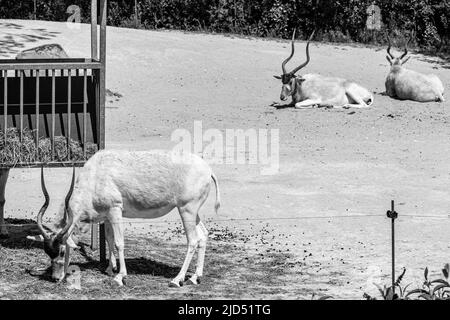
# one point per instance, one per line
(289, 79)
(57, 244)
(400, 60)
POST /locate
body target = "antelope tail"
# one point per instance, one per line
(216, 183)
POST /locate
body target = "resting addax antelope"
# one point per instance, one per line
(114, 185)
(407, 84)
(315, 90)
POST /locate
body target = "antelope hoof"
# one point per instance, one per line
(110, 271)
(119, 280)
(175, 284)
(193, 281)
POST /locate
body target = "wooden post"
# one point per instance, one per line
(94, 56)
(102, 98)
(102, 243)
(3, 179)
(102, 86)
(94, 236)
(94, 43)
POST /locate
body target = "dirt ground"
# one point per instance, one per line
(317, 226)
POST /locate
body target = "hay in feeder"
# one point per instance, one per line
(14, 151)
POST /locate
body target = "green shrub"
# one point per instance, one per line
(437, 289)
(341, 20)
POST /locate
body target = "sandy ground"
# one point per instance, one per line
(323, 213)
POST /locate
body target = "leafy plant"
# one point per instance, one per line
(338, 21)
(438, 289)
(387, 293)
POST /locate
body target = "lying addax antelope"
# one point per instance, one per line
(407, 84)
(315, 90)
(114, 185)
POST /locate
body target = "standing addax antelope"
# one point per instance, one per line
(407, 84)
(114, 185)
(315, 90)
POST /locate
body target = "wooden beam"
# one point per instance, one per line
(10, 65)
(102, 78)
(66, 164)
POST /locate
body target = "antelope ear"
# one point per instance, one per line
(389, 60)
(277, 77)
(405, 60)
(71, 243)
(38, 238)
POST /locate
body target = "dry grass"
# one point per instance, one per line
(231, 271)
(14, 150)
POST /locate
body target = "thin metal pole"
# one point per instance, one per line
(34, 14)
(393, 215)
(393, 248)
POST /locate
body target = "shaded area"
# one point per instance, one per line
(442, 61)
(230, 272)
(12, 43)
(18, 230)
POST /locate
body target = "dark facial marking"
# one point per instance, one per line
(286, 78)
(51, 248)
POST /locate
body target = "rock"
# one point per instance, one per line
(46, 51)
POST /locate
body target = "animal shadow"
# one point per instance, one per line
(151, 267)
(134, 266)
(17, 235)
(279, 106)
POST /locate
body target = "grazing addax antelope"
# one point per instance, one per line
(315, 90)
(114, 185)
(407, 84)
